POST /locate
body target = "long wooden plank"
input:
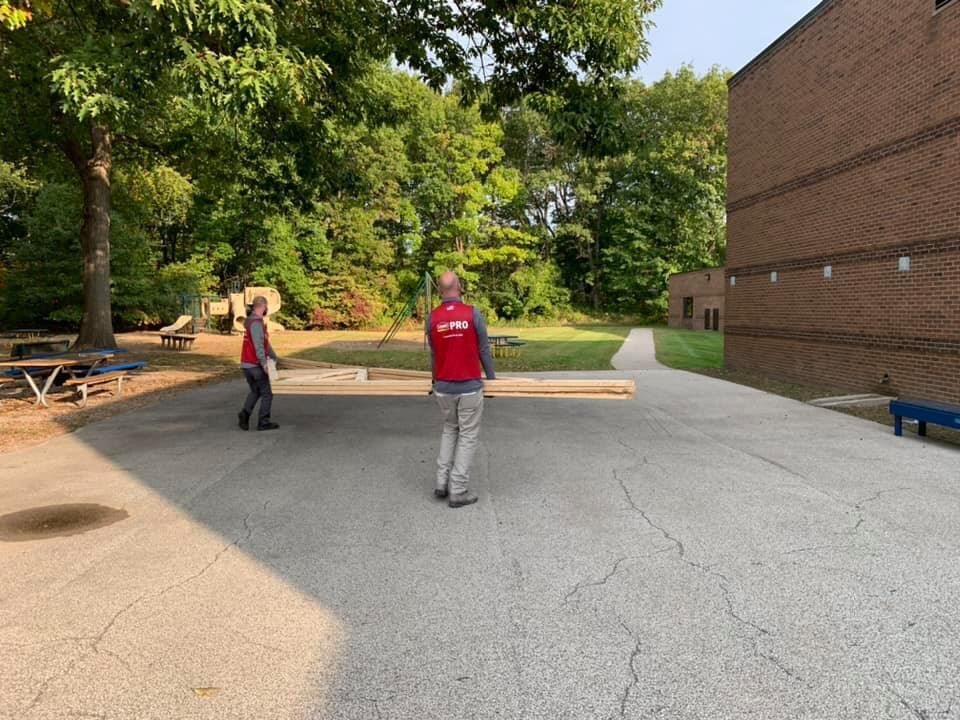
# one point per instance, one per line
(394, 374)
(303, 384)
(289, 363)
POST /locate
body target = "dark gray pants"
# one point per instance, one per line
(259, 383)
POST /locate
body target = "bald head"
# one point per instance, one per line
(449, 285)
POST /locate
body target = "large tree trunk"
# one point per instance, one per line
(96, 327)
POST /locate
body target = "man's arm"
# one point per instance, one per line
(426, 331)
(256, 334)
(483, 342)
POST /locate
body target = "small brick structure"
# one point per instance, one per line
(843, 250)
(697, 300)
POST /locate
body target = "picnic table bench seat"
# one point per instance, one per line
(82, 385)
(177, 341)
(924, 411)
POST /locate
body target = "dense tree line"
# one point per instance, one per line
(282, 150)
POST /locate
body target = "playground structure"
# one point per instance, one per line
(424, 290)
(199, 312)
(238, 303)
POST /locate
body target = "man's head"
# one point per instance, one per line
(449, 285)
(260, 305)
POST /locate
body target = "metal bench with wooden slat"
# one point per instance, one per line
(83, 384)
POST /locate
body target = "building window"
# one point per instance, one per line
(828, 271)
(904, 264)
(940, 4)
(774, 276)
(733, 281)
(688, 307)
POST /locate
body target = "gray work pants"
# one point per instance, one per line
(259, 383)
(461, 434)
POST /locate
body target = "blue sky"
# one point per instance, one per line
(728, 33)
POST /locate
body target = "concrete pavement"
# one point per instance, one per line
(706, 551)
(638, 352)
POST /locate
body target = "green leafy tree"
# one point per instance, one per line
(97, 77)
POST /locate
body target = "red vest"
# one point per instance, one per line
(248, 353)
(453, 338)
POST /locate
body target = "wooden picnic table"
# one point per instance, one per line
(51, 367)
(25, 348)
(24, 333)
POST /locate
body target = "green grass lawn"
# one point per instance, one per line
(574, 347)
(689, 349)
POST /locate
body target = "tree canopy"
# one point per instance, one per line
(170, 148)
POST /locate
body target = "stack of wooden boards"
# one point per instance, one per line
(302, 377)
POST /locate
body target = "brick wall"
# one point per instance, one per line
(845, 152)
(706, 287)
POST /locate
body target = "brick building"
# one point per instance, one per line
(696, 300)
(843, 254)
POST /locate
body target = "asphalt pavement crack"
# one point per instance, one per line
(582, 585)
(38, 698)
(918, 713)
(643, 513)
(634, 677)
(216, 558)
(757, 631)
(93, 642)
(858, 505)
(728, 601)
(817, 548)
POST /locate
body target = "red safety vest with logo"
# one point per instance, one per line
(453, 337)
(248, 353)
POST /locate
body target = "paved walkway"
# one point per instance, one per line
(638, 352)
(707, 551)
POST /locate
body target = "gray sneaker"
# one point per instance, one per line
(462, 500)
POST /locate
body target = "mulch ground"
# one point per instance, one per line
(214, 358)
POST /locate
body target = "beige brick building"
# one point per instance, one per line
(696, 300)
(843, 255)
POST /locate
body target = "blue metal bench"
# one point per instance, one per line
(104, 369)
(924, 411)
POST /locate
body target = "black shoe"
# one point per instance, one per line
(441, 493)
(462, 500)
(244, 420)
(268, 426)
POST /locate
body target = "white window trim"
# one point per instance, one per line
(948, 4)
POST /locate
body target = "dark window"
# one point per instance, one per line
(688, 307)
(716, 318)
(937, 4)
(706, 319)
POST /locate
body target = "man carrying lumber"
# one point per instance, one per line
(254, 355)
(457, 334)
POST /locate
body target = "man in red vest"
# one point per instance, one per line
(458, 347)
(254, 353)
